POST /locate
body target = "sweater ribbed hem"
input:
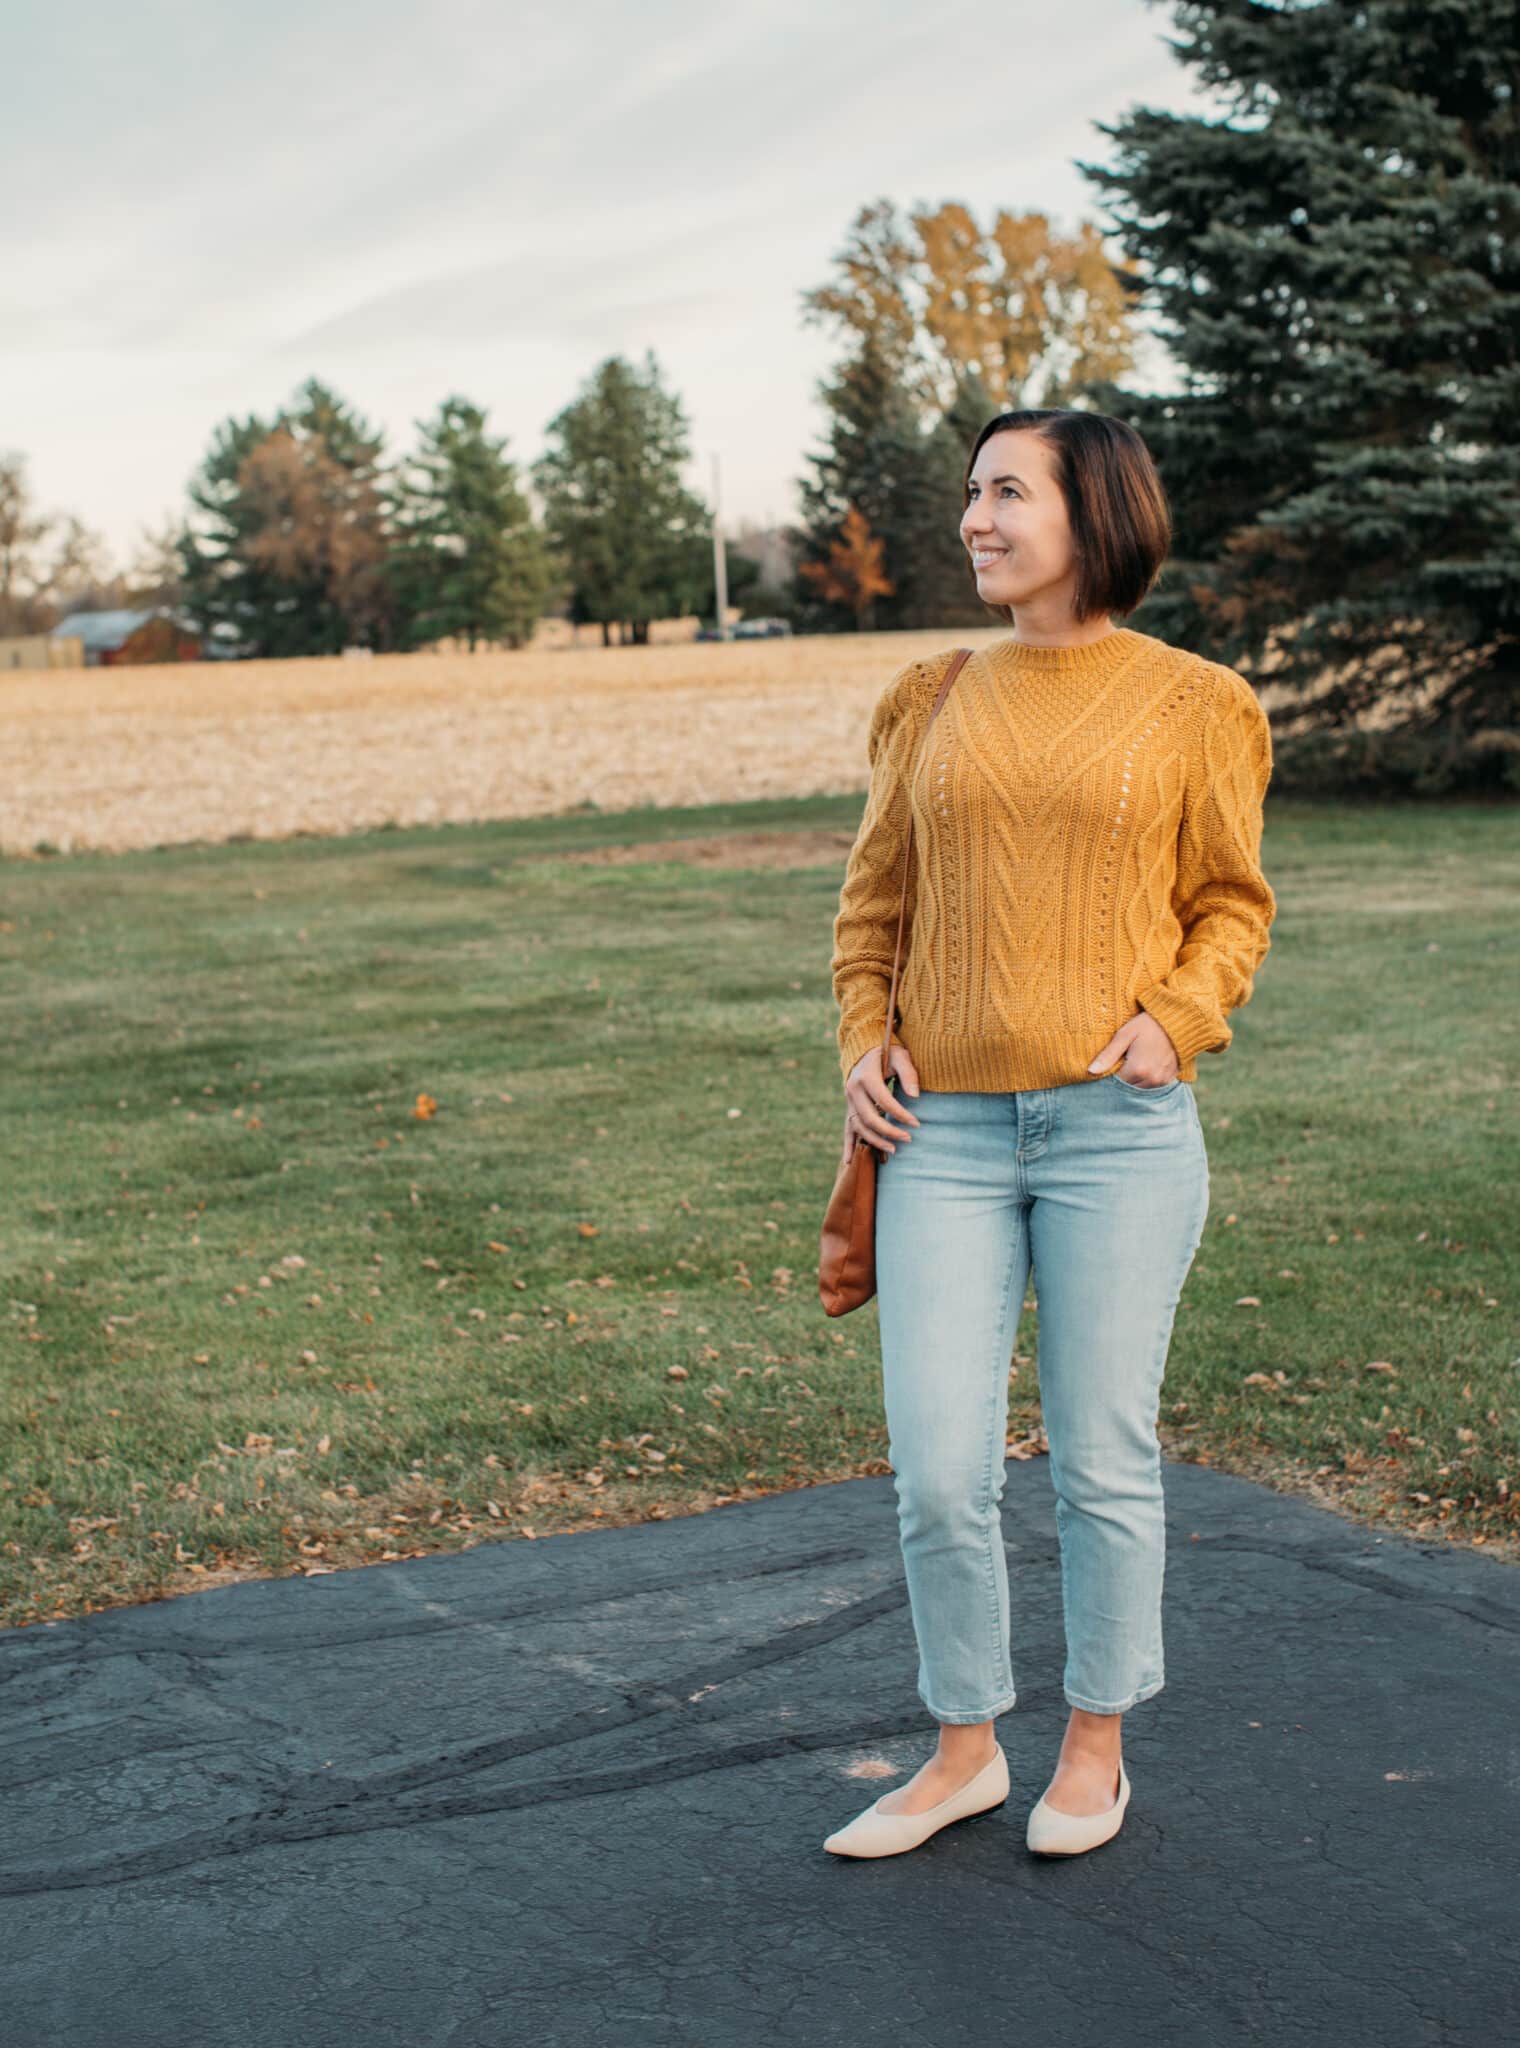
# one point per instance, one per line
(1001, 1065)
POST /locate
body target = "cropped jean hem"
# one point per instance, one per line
(970, 1719)
(1095, 1707)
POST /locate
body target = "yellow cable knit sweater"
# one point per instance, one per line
(1086, 837)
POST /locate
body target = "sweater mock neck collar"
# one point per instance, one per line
(1091, 660)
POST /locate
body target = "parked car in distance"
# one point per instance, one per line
(749, 629)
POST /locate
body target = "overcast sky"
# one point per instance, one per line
(210, 202)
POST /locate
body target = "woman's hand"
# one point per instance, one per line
(872, 1110)
(1151, 1058)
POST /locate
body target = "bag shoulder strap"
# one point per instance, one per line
(956, 663)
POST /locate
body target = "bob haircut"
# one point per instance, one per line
(1121, 523)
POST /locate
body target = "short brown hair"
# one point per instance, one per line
(1121, 523)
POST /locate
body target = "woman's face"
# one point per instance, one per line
(1016, 530)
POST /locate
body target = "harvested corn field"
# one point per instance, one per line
(117, 758)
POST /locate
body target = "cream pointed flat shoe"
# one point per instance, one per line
(874, 1833)
(1052, 1833)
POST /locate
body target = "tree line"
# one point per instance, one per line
(302, 537)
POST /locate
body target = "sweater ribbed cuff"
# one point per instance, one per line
(1186, 1023)
(854, 1043)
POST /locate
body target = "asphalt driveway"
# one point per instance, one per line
(574, 1791)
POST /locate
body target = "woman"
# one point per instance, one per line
(1086, 907)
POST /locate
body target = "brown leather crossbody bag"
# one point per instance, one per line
(847, 1252)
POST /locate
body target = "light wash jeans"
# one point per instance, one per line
(1103, 1186)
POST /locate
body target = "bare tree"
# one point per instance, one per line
(44, 556)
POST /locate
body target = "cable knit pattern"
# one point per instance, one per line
(1086, 844)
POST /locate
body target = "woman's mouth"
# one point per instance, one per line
(981, 557)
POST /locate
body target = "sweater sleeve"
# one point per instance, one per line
(865, 929)
(1222, 898)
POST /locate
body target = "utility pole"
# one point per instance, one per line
(720, 561)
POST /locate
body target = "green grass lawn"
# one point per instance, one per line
(383, 1195)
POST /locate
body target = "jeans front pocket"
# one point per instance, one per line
(1134, 1088)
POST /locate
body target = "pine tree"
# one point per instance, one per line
(634, 544)
(1336, 263)
(902, 473)
(467, 560)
